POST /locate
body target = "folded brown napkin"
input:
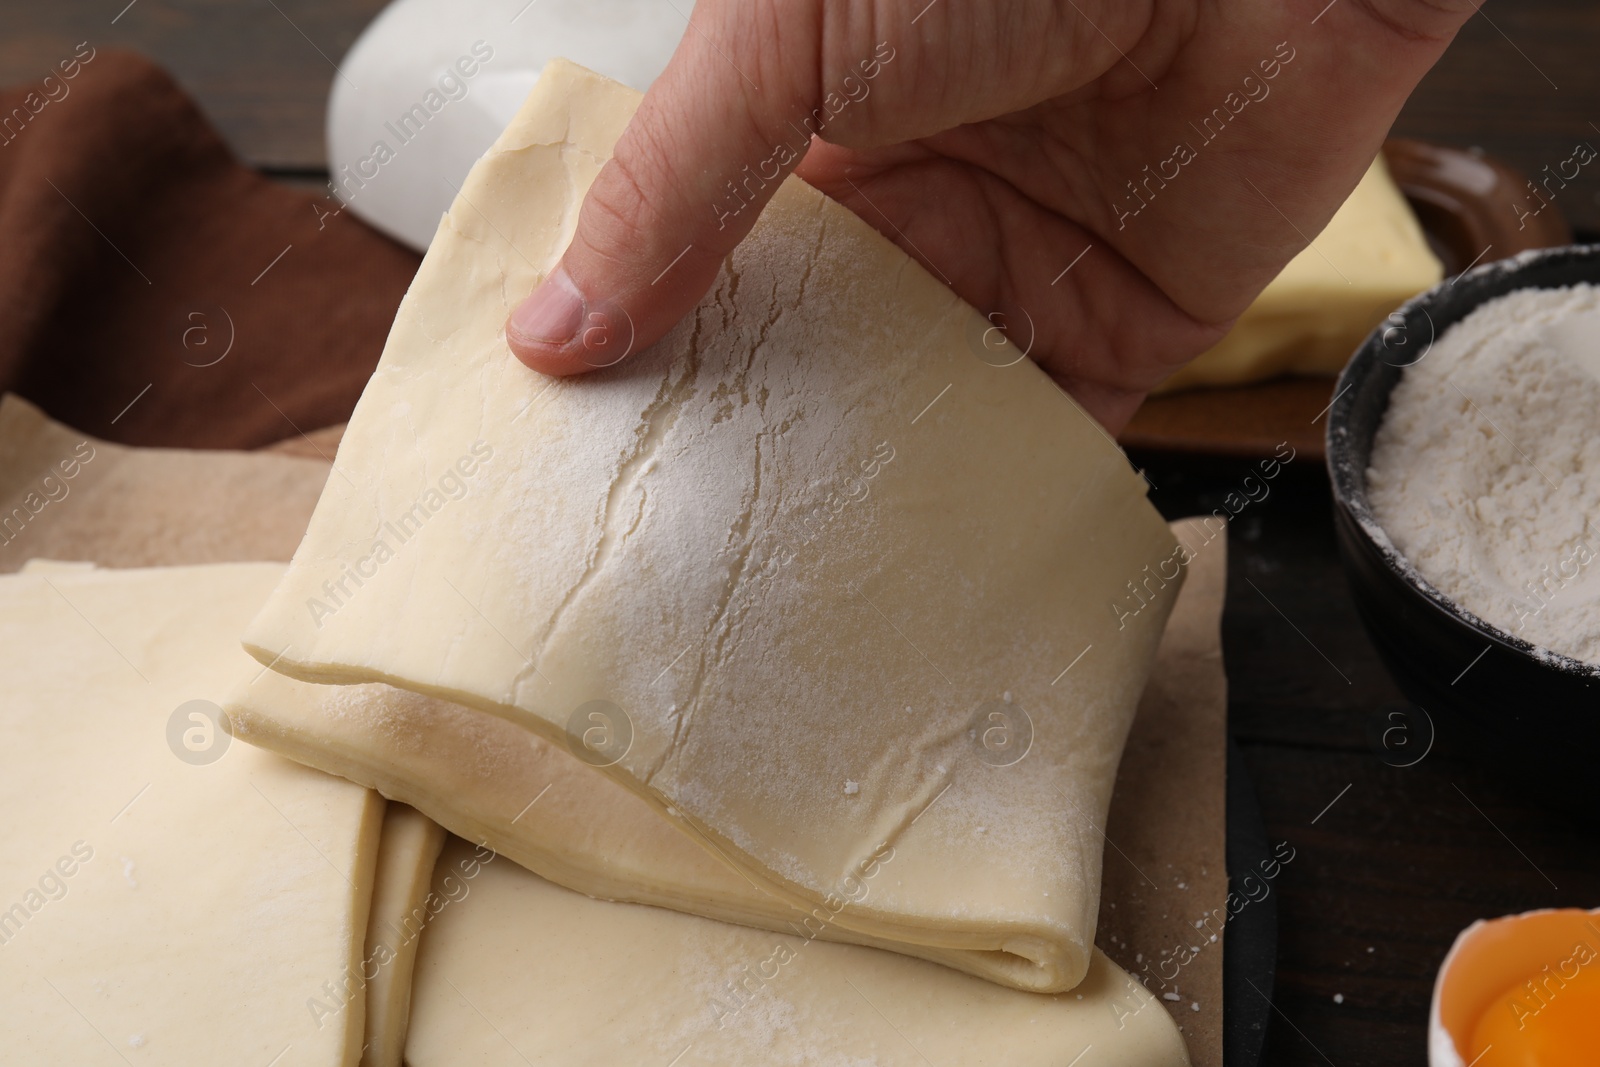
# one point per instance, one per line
(154, 290)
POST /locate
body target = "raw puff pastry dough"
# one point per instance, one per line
(807, 549)
(178, 913)
(408, 846)
(500, 784)
(529, 799)
(517, 970)
(400, 911)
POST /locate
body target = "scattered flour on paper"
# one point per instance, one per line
(1485, 472)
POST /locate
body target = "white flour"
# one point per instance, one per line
(1485, 472)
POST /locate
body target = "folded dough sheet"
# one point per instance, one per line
(854, 596)
(402, 904)
(515, 970)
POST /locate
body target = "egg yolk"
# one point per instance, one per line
(1555, 1022)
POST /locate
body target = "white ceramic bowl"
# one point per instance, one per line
(433, 82)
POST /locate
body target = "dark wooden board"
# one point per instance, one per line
(1402, 860)
(1239, 421)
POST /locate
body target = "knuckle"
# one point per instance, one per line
(620, 212)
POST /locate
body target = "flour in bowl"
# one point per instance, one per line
(1485, 472)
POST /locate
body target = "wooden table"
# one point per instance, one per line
(1391, 862)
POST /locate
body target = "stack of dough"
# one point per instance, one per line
(525, 972)
(861, 608)
(215, 913)
(616, 981)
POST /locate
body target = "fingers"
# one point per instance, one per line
(1421, 20)
(705, 152)
(731, 117)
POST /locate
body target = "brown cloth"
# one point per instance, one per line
(135, 250)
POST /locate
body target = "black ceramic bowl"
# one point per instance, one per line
(1528, 711)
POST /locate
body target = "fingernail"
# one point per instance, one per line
(552, 314)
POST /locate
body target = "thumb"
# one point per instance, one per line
(706, 150)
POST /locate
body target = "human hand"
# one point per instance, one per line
(1174, 153)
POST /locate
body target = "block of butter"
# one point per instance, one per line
(1371, 257)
